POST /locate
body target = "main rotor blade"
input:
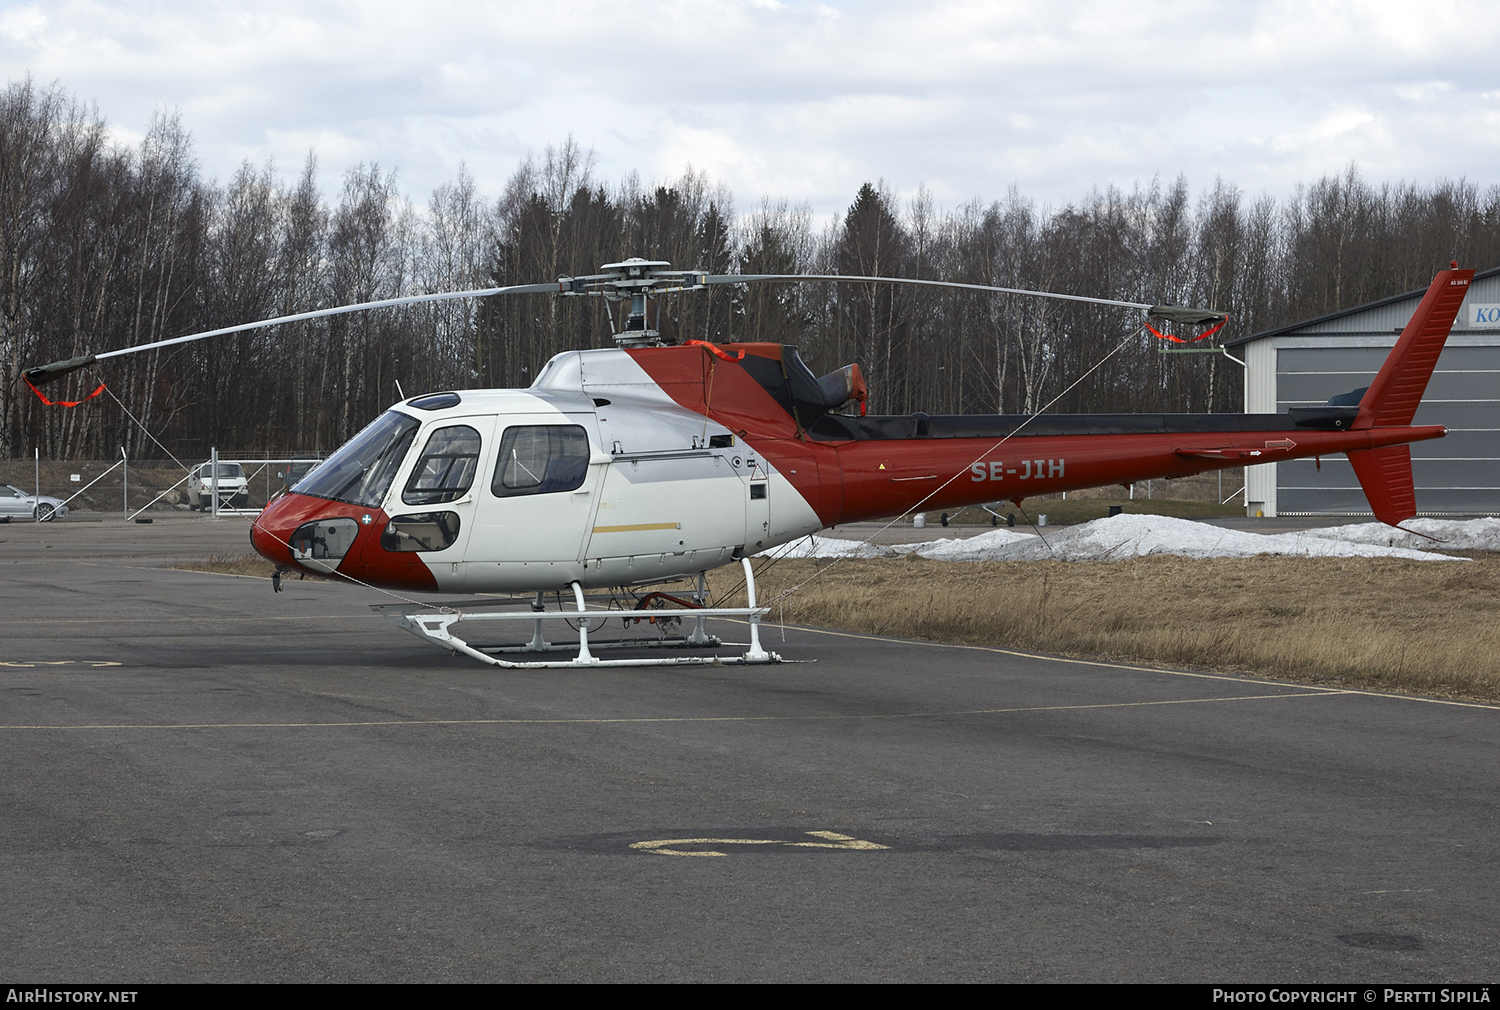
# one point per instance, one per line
(1175, 313)
(57, 369)
(744, 278)
(590, 284)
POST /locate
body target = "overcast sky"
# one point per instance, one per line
(797, 101)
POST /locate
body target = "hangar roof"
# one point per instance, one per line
(1320, 324)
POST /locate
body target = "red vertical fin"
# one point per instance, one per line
(1393, 397)
(1385, 476)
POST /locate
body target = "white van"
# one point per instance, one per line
(234, 489)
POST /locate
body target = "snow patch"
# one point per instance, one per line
(1133, 536)
(1449, 534)
(995, 545)
(827, 547)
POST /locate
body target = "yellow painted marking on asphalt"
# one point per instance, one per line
(278, 618)
(848, 843)
(838, 841)
(637, 527)
(192, 571)
(62, 662)
(659, 846)
(229, 575)
(685, 718)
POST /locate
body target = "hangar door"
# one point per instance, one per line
(1459, 474)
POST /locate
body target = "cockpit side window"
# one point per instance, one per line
(445, 472)
(541, 459)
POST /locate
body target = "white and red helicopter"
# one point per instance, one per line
(649, 463)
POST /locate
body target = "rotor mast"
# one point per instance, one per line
(641, 281)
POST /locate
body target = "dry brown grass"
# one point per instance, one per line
(230, 564)
(1384, 624)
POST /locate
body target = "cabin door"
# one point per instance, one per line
(537, 501)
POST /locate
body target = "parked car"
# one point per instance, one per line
(234, 490)
(18, 504)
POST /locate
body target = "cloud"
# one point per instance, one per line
(795, 100)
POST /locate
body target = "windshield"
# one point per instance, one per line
(206, 471)
(361, 472)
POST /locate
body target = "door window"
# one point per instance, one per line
(445, 471)
(541, 459)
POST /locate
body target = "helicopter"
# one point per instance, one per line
(653, 462)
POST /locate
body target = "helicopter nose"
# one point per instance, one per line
(298, 531)
(271, 533)
(339, 539)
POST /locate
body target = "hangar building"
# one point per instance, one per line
(1306, 363)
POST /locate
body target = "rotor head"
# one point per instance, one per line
(642, 282)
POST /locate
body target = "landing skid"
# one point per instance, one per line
(439, 628)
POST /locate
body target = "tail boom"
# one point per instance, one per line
(882, 478)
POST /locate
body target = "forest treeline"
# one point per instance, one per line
(104, 246)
